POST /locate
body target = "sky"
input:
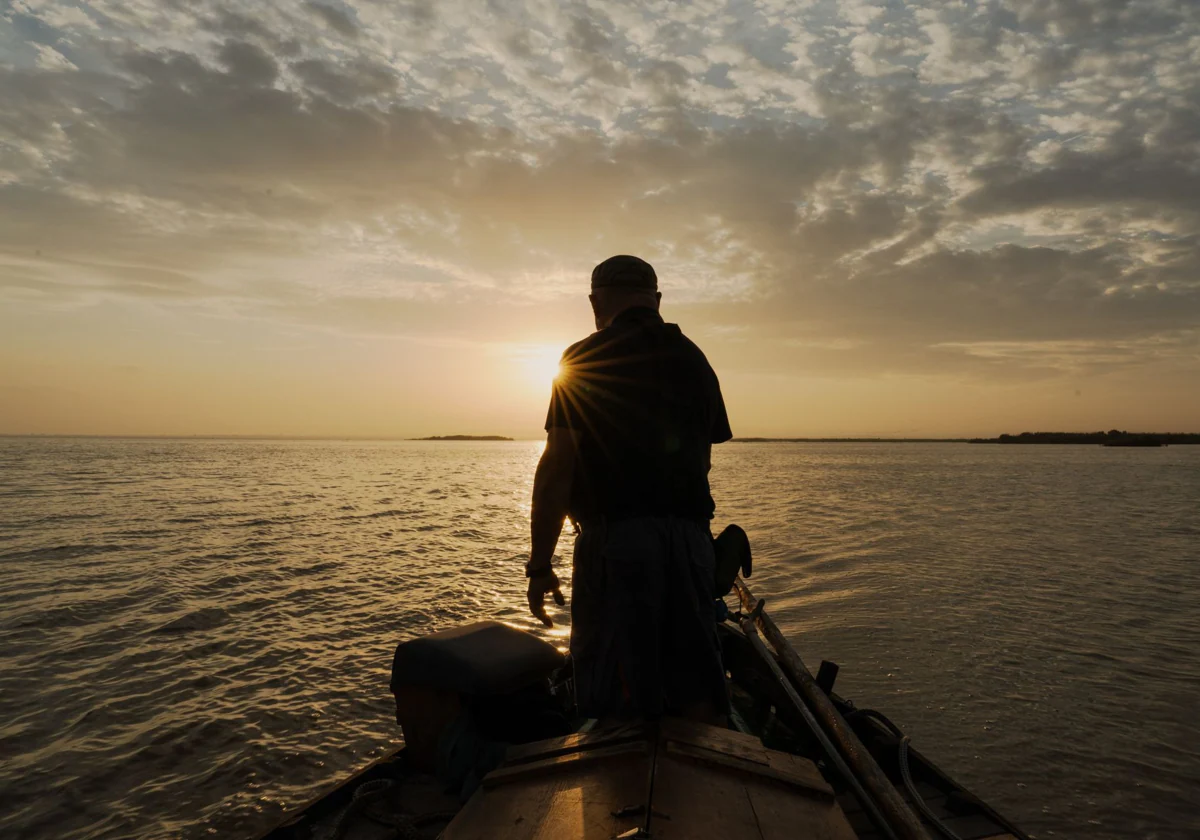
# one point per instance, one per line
(378, 218)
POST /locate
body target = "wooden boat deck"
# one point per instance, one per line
(708, 783)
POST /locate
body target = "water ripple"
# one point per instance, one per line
(195, 635)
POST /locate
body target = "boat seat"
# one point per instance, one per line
(484, 658)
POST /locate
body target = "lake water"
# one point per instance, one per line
(196, 635)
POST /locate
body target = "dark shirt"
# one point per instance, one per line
(647, 407)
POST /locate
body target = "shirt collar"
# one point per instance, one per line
(637, 315)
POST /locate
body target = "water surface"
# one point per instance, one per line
(195, 635)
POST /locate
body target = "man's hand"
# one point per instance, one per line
(539, 584)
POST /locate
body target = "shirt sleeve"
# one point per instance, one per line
(562, 413)
(720, 431)
(718, 419)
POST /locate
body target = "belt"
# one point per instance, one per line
(593, 522)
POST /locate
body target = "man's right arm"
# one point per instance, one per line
(551, 498)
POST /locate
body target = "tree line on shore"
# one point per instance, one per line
(1111, 437)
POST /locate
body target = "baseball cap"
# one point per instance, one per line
(626, 272)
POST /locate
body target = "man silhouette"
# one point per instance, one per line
(633, 416)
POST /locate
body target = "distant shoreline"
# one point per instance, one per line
(463, 437)
(1113, 437)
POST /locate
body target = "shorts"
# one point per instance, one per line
(643, 623)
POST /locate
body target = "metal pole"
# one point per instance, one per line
(868, 803)
(882, 793)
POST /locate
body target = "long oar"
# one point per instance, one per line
(880, 798)
(747, 624)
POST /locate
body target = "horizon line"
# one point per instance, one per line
(399, 438)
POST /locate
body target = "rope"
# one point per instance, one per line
(925, 810)
(906, 773)
(373, 786)
(407, 827)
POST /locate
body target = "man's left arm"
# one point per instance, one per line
(719, 431)
(551, 497)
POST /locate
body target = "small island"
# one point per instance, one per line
(464, 437)
(1113, 437)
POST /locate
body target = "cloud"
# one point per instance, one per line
(346, 83)
(337, 19)
(248, 64)
(884, 187)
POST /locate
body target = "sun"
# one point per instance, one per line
(539, 363)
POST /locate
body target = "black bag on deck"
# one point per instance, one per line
(486, 677)
(732, 548)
